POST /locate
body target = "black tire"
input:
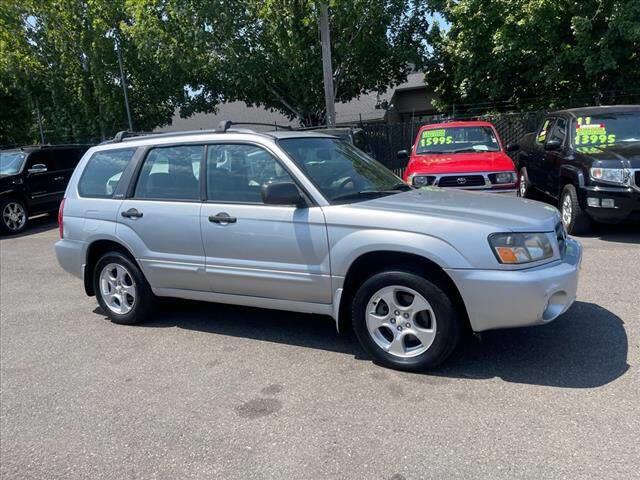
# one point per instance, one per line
(529, 191)
(6, 223)
(142, 305)
(448, 321)
(579, 222)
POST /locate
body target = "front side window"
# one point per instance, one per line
(559, 131)
(604, 130)
(340, 171)
(171, 173)
(11, 162)
(103, 171)
(457, 140)
(236, 172)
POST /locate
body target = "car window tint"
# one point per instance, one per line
(66, 159)
(559, 131)
(171, 173)
(544, 131)
(103, 171)
(39, 157)
(236, 173)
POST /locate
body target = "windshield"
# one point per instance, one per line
(11, 162)
(609, 129)
(458, 140)
(340, 171)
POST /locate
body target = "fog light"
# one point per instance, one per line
(593, 202)
(608, 203)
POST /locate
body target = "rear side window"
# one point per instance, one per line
(171, 173)
(103, 171)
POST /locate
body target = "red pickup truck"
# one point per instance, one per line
(466, 155)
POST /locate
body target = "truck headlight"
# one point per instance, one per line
(506, 177)
(515, 248)
(619, 176)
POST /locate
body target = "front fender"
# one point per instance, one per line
(347, 246)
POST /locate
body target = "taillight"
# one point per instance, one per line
(60, 218)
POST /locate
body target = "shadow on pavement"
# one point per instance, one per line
(618, 233)
(585, 348)
(38, 224)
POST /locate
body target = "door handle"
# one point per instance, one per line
(58, 179)
(222, 218)
(132, 213)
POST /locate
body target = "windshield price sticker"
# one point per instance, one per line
(435, 137)
(588, 133)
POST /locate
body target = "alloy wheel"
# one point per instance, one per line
(118, 289)
(14, 216)
(567, 210)
(401, 321)
(523, 185)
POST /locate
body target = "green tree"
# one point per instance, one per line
(268, 53)
(508, 54)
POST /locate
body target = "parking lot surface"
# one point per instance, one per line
(221, 392)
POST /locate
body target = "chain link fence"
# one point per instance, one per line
(386, 139)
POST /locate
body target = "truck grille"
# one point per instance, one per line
(461, 181)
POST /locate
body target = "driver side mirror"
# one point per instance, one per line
(282, 193)
(403, 155)
(553, 145)
(512, 147)
(38, 168)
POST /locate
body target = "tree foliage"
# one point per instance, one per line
(535, 53)
(58, 58)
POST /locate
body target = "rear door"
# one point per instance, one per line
(270, 251)
(160, 218)
(45, 191)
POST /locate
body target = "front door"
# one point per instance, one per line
(44, 189)
(258, 250)
(160, 221)
(535, 161)
(553, 159)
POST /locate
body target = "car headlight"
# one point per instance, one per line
(420, 180)
(516, 248)
(506, 177)
(610, 175)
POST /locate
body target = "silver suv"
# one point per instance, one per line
(303, 221)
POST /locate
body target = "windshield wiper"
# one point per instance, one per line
(398, 188)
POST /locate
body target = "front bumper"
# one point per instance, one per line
(520, 298)
(626, 203)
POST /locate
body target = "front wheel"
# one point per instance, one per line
(121, 289)
(14, 216)
(575, 219)
(524, 186)
(404, 321)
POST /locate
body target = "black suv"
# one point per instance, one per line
(588, 161)
(33, 181)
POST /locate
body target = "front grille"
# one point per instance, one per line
(461, 181)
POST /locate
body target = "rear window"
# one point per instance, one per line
(103, 171)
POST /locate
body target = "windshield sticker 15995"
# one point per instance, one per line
(435, 137)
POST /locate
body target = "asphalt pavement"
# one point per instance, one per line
(219, 392)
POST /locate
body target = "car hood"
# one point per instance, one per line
(625, 154)
(461, 162)
(497, 212)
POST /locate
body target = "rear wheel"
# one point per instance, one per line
(121, 289)
(404, 321)
(575, 219)
(14, 216)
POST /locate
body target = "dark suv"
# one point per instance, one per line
(588, 161)
(33, 181)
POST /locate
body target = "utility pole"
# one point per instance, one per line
(124, 82)
(40, 123)
(327, 70)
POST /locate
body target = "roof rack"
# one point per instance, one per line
(225, 125)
